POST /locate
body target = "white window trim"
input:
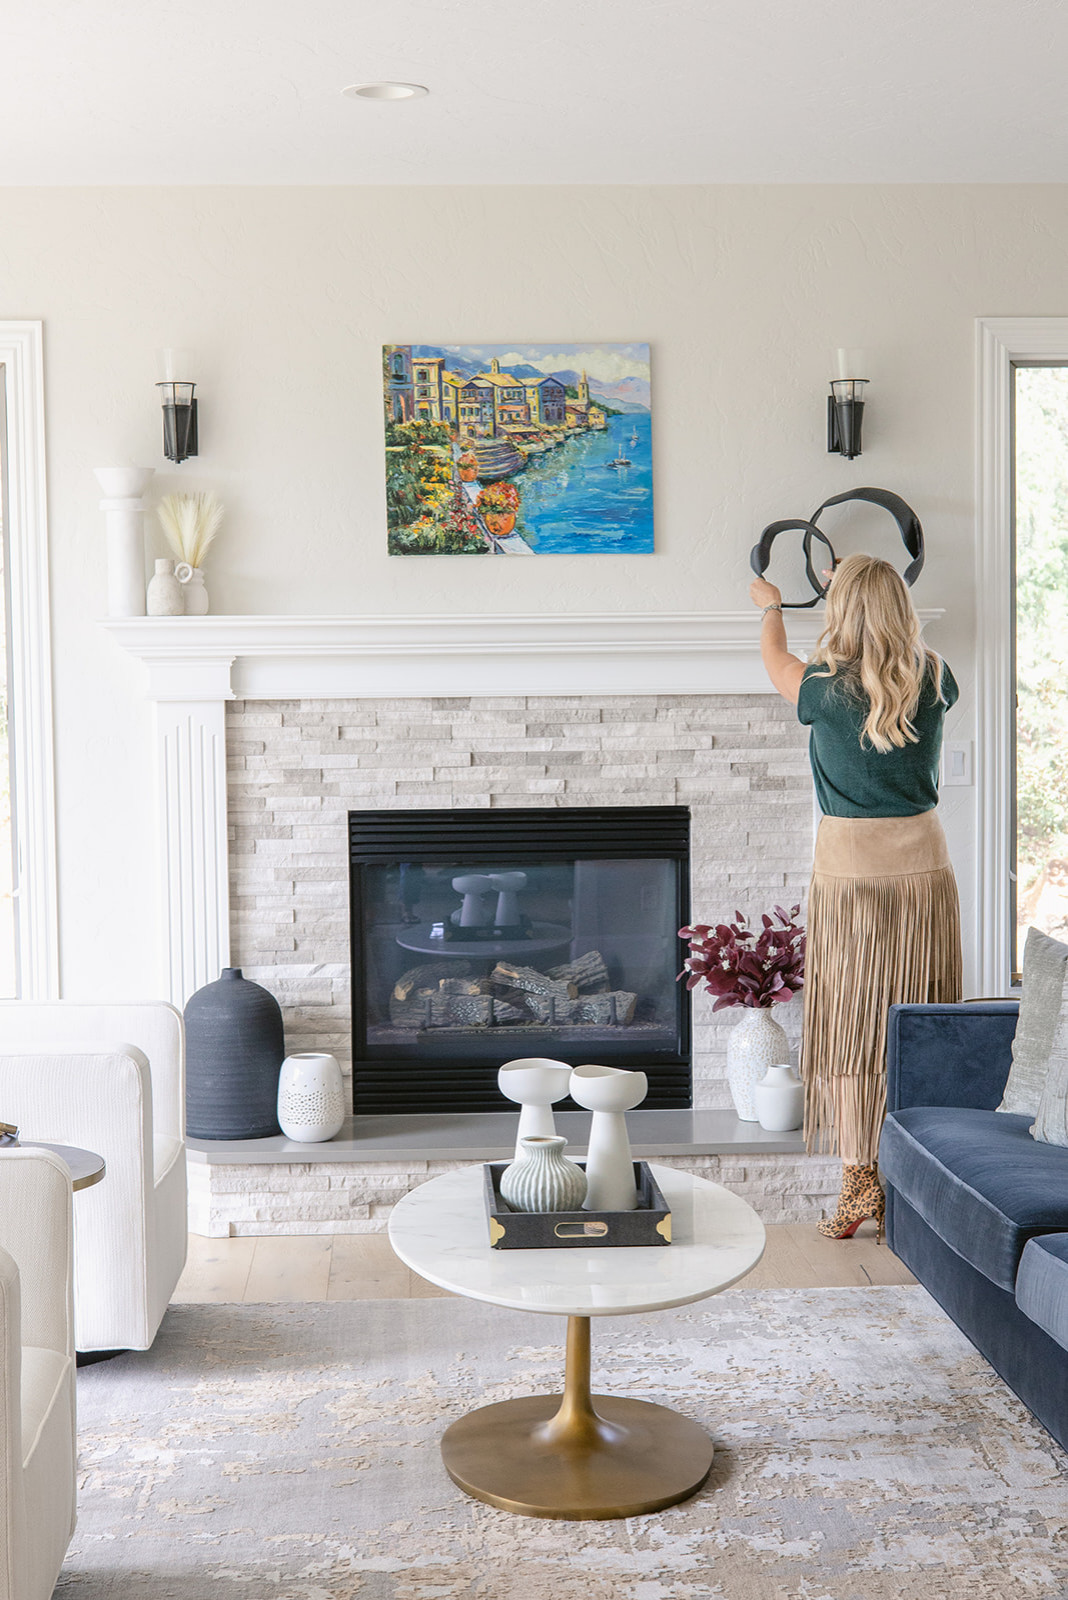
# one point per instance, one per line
(1001, 342)
(30, 666)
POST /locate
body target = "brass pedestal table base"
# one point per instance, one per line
(577, 1456)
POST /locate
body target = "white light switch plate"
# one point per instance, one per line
(957, 765)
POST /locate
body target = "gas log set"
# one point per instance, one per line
(449, 994)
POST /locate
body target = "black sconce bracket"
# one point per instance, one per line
(845, 416)
(180, 432)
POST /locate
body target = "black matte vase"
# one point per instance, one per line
(234, 1049)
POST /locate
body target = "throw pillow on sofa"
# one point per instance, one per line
(1041, 997)
(1051, 1120)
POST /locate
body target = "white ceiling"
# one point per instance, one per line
(534, 91)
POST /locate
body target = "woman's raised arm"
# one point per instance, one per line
(784, 670)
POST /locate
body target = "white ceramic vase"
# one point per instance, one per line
(534, 1083)
(311, 1097)
(609, 1092)
(541, 1178)
(779, 1098)
(165, 597)
(756, 1043)
(192, 581)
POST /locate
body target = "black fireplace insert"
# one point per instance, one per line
(483, 935)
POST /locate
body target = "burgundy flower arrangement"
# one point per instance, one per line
(742, 967)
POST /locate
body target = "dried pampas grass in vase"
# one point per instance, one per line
(191, 522)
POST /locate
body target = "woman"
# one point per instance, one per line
(883, 917)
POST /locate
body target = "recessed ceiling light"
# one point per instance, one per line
(386, 91)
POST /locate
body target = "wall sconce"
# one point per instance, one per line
(845, 405)
(178, 397)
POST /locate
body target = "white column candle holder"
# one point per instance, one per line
(124, 510)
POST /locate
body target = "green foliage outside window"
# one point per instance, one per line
(1042, 648)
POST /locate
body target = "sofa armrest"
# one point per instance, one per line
(156, 1028)
(102, 1102)
(37, 1230)
(12, 1504)
(949, 1055)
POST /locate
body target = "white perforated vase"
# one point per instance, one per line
(755, 1043)
(311, 1097)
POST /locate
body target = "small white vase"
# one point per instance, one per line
(542, 1178)
(311, 1097)
(165, 597)
(609, 1092)
(756, 1043)
(192, 581)
(534, 1083)
(780, 1100)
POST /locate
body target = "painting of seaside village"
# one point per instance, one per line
(518, 450)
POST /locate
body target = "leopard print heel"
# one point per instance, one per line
(861, 1197)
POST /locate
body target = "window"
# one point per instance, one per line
(28, 934)
(1040, 655)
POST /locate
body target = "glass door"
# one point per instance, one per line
(1040, 657)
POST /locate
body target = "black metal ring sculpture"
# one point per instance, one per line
(907, 521)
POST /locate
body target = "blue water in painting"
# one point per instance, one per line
(573, 504)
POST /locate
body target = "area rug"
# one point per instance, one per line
(276, 1452)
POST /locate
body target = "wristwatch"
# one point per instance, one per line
(766, 609)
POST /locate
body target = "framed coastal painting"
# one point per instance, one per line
(522, 449)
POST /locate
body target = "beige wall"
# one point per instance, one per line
(287, 296)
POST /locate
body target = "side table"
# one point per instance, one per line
(85, 1166)
(577, 1455)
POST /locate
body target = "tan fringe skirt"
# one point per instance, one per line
(883, 927)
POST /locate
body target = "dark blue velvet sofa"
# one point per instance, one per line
(975, 1207)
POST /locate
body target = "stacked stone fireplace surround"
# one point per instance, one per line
(296, 767)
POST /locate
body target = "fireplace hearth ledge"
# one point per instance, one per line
(491, 1136)
(247, 1188)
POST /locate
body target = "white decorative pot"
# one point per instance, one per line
(609, 1092)
(534, 1082)
(311, 1097)
(542, 1178)
(779, 1098)
(192, 581)
(165, 596)
(756, 1043)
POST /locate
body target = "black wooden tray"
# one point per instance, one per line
(649, 1224)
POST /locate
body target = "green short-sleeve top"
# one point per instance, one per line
(852, 778)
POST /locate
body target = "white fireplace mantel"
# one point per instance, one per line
(688, 652)
(195, 664)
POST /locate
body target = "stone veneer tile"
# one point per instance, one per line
(297, 767)
(315, 1198)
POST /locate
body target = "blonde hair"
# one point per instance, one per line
(872, 638)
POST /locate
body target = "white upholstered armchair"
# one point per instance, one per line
(37, 1438)
(109, 1078)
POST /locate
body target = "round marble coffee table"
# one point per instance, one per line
(577, 1455)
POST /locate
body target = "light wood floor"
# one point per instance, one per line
(363, 1267)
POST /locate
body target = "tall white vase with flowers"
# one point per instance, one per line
(191, 522)
(755, 971)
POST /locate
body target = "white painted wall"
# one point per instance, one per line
(287, 294)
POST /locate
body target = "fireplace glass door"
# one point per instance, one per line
(486, 936)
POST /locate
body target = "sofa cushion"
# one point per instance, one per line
(979, 1180)
(1042, 1285)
